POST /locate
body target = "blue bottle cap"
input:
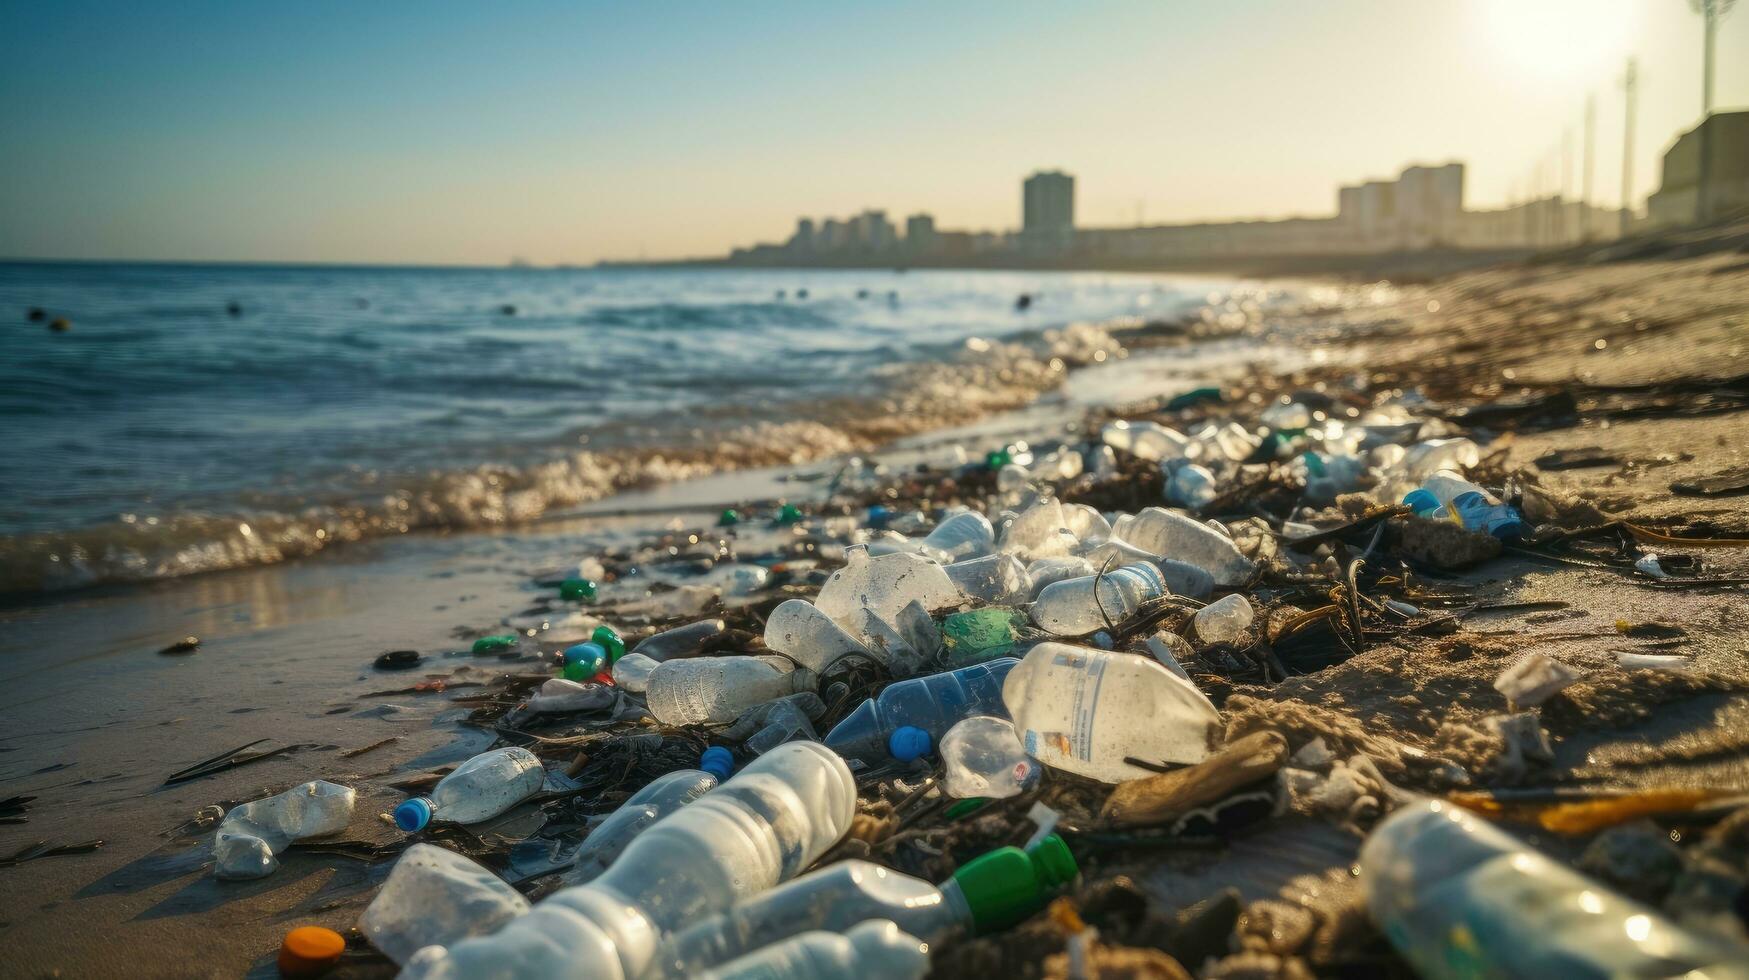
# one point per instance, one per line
(1421, 500)
(586, 654)
(878, 515)
(413, 814)
(908, 743)
(717, 761)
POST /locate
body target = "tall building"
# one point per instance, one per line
(1048, 211)
(920, 234)
(1725, 137)
(803, 239)
(872, 231)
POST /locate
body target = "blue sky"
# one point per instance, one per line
(471, 133)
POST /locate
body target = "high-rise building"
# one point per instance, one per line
(920, 234)
(1048, 210)
(872, 231)
(803, 239)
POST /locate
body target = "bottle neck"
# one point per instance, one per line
(955, 900)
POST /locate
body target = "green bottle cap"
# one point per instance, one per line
(789, 514)
(609, 640)
(494, 644)
(998, 458)
(576, 588)
(729, 518)
(1005, 886)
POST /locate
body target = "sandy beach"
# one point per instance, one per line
(1634, 354)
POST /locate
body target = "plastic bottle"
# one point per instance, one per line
(797, 628)
(987, 894)
(776, 722)
(1500, 520)
(1048, 571)
(872, 949)
(1286, 415)
(1148, 440)
(1012, 480)
(984, 758)
(607, 638)
(1446, 486)
(1224, 620)
(479, 789)
(1164, 534)
(720, 689)
(559, 695)
(681, 641)
(1459, 898)
(979, 635)
(884, 586)
(1085, 711)
(964, 535)
(1040, 531)
(632, 672)
(997, 579)
(608, 839)
(251, 836)
(933, 704)
(436, 897)
(1080, 606)
(1424, 459)
(1191, 486)
(776, 817)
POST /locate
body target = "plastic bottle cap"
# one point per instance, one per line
(909, 742)
(728, 518)
(1006, 885)
(412, 815)
(878, 515)
(1421, 499)
(577, 588)
(717, 761)
(609, 639)
(309, 951)
(590, 657)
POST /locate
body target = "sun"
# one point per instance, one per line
(1558, 39)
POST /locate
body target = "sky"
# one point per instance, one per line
(567, 132)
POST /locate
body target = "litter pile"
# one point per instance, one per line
(950, 718)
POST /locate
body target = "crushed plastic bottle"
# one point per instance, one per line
(1459, 898)
(964, 535)
(1224, 620)
(876, 948)
(1286, 415)
(681, 641)
(1191, 486)
(479, 789)
(1049, 571)
(436, 897)
(1079, 606)
(720, 689)
(775, 818)
(979, 635)
(933, 703)
(999, 579)
(797, 628)
(1164, 534)
(776, 722)
(559, 695)
(608, 839)
(884, 586)
(986, 894)
(1040, 531)
(632, 672)
(984, 758)
(1147, 440)
(1085, 711)
(251, 836)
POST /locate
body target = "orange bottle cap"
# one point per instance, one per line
(310, 951)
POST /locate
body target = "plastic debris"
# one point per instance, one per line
(934, 704)
(1224, 620)
(1534, 679)
(876, 948)
(479, 789)
(436, 897)
(983, 757)
(251, 836)
(720, 689)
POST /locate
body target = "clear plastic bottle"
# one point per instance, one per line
(1148, 440)
(1459, 898)
(797, 628)
(1079, 606)
(660, 797)
(1446, 486)
(681, 641)
(776, 722)
(436, 897)
(1424, 459)
(964, 535)
(1085, 711)
(989, 893)
(559, 695)
(774, 818)
(1163, 534)
(876, 948)
(933, 703)
(479, 789)
(884, 586)
(632, 672)
(1224, 620)
(997, 579)
(1040, 531)
(1191, 486)
(984, 758)
(1049, 571)
(720, 689)
(251, 835)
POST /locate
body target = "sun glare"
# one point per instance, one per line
(1558, 39)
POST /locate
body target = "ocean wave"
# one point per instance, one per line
(973, 379)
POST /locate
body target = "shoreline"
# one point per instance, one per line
(324, 617)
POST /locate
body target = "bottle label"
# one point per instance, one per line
(1082, 687)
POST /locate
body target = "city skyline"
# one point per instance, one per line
(567, 134)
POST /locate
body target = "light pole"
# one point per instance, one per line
(1711, 12)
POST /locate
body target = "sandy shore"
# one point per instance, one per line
(1650, 350)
